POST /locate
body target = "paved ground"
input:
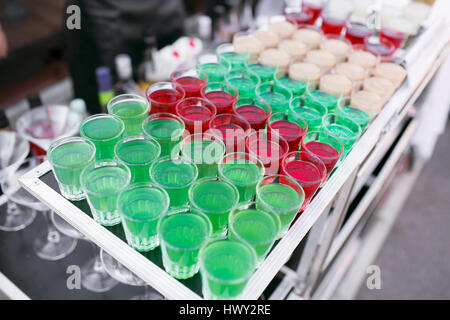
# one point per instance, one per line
(415, 259)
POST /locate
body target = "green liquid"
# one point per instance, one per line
(317, 97)
(257, 229)
(229, 262)
(216, 72)
(297, 88)
(265, 73)
(176, 178)
(236, 60)
(312, 117)
(205, 154)
(244, 85)
(282, 200)
(359, 116)
(167, 132)
(138, 156)
(277, 101)
(182, 236)
(142, 208)
(68, 161)
(104, 133)
(215, 199)
(244, 176)
(344, 134)
(132, 114)
(102, 189)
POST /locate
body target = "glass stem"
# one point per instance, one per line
(98, 265)
(53, 235)
(12, 208)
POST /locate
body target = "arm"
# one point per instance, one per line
(3, 44)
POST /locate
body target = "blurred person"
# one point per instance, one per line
(111, 27)
(3, 44)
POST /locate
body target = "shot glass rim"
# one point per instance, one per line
(128, 97)
(208, 274)
(203, 100)
(356, 135)
(173, 159)
(280, 76)
(302, 98)
(203, 92)
(305, 128)
(341, 107)
(309, 95)
(212, 179)
(174, 79)
(272, 84)
(65, 140)
(167, 115)
(246, 207)
(260, 166)
(177, 87)
(232, 115)
(323, 174)
(266, 107)
(142, 137)
(268, 136)
(245, 70)
(98, 116)
(187, 212)
(231, 45)
(217, 63)
(216, 139)
(92, 167)
(321, 131)
(302, 195)
(275, 69)
(139, 185)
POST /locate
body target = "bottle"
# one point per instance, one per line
(34, 100)
(79, 106)
(146, 69)
(124, 70)
(246, 18)
(105, 87)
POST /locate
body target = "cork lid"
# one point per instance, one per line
(381, 86)
(363, 58)
(248, 45)
(311, 38)
(304, 71)
(335, 46)
(352, 71)
(391, 71)
(275, 58)
(321, 58)
(336, 85)
(294, 48)
(366, 101)
(283, 29)
(269, 38)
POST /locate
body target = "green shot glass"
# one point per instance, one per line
(104, 131)
(297, 88)
(132, 109)
(281, 195)
(215, 198)
(102, 181)
(344, 128)
(344, 110)
(318, 97)
(257, 228)
(277, 96)
(166, 128)
(244, 171)
(244, 81)
(312, 113)
(265, 73)
(216, 71)
(205, 150)
(68, 157)
(137, 153)
(141, 206)
(227, 55)
(181, 237)
(226, 266)
(175, 175)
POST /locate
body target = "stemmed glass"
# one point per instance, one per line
(93, 274)
(122, 274)
(50, 244)
(14, 151)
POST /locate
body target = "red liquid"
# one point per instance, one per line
(196, 117)
(397, 38)
(41, 129)
(325, 152)
(289, 131)
(299, 18)
(332, 25)
(223, 101)
(306, 174)
(357, 34)
(191, 85)
(268, 151)
(314, 8)
(256, 116)
(233, 136)
(164, 100)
